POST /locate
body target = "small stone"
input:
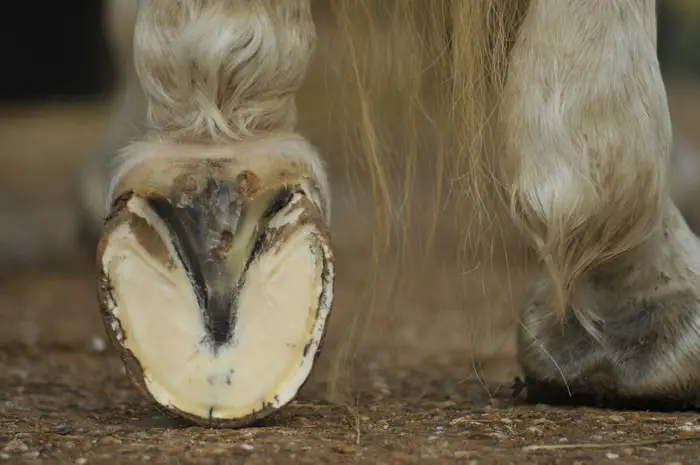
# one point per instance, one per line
(33, 454)
(628, 451)
(563, 440)
(616, 418)
(460, 454)
(4, 456)
(596, 437)
(689, 427)
(612, 455)
(343, 449)
(81, 461)
(63, 429)
(98, 344)
(248, 447)
(16, 445)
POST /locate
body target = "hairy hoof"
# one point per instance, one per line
(633, 342)
(216, 281)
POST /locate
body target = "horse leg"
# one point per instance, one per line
(588, 138)
(215, 249)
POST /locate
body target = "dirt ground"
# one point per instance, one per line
(438, 390)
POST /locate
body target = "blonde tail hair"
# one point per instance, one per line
(420, 85)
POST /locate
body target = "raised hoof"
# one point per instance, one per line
(216, 285)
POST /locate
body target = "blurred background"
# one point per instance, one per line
(56, 82)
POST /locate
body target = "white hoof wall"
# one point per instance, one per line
(218, 305)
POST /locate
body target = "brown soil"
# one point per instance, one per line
(436, 391)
